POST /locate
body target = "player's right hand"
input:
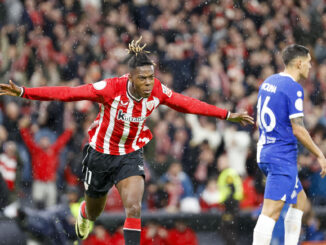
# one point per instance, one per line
(10, 89)
(322, 163)
(242, 118)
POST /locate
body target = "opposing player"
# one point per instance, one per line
(280, 120)
(114, 154)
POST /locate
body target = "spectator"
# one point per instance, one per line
(178, 184)
(45, 161)
(117, 237)
(54, 225)
(311, 226)
(237, 146)
(209, 198)
(181, 234)
(154, 233)
(156, 196)
(3, 136)
(203, 129)
(205, 166)
(229, 182)
(251, 198)
(10, 123)
(99, 236)
(8, 164)
(4, 193)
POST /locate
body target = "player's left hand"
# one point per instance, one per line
(322, 163)
(242, 118)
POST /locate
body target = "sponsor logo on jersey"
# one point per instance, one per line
(123, 117)
(166, 90)
(124, 103)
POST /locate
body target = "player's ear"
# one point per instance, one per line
(298, 63)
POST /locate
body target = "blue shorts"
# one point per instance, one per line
(278, 186)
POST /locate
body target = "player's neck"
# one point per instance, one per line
(295, 74)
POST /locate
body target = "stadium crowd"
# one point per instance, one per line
(216, 51)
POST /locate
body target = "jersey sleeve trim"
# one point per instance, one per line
(296, 115)
(22, 90)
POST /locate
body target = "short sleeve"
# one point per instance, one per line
(295, 97)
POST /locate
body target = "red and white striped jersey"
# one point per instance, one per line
(120, 127)
(8, 167)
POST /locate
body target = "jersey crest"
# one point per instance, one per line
(150, 105)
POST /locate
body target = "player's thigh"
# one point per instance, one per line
(95, 205)
(98, 171)
(282, 187)
(98, 174)
(301, 201)
(279, 189)
(272, 208)
(130, 178)
(131, 190)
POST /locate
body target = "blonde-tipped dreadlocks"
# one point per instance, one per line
(135, 48)
(139, 56)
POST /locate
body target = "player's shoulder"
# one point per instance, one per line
(118, 81)
(157, 82)
(161, 89)
(290, 86)
(282, 82)
(111, 86)
(277, 79)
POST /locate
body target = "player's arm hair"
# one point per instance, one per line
(301, 133)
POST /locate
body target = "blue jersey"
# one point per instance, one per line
(280, 99)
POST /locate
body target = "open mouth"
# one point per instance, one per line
(147, 91)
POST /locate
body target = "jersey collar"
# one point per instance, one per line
(286, 75)
(130, 95)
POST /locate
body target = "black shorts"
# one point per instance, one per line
(102, 171)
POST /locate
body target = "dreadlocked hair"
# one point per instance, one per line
(138, 56)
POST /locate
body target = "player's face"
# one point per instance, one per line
(142, 79)
(305, 66)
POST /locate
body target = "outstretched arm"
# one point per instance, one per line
(62, 140)
(84, 92)
(301, 133)
(27, 136)
(187, 104)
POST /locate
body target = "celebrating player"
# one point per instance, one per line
(280, 120)
(114, 155)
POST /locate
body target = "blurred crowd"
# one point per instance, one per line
(215, 51)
